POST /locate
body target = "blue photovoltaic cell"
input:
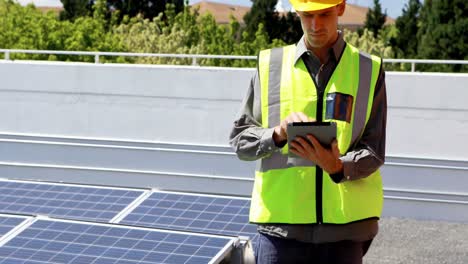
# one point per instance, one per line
(205, 214)
(64, 201)
(8, 223)
(47, 241)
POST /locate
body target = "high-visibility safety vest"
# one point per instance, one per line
(301, 193)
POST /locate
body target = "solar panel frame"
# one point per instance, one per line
(8, 223)
(190, 212)
(79, 241)
(64, 200)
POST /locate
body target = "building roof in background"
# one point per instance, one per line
(354, 15)
(222, 12)
(45, 9)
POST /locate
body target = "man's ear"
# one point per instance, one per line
(341, 8)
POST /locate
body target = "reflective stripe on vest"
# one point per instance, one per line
(286, 194)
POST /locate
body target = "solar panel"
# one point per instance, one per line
(49, 241)
(64, 200)
(197, 213)
(7, 223)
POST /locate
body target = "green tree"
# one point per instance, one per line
(375, 19)
(285, 26)
(189, 33)
(444, 33)
(172, 32)
(262, 11)
(146, 8)
(367, 42)
(289, 28)
(405, 42)
(28, 28)
(73, 9)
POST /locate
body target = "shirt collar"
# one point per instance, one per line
(336, 49)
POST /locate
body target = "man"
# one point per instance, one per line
(323, 208)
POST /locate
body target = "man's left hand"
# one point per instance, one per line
(325, 158)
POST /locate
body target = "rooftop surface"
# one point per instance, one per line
(409, 241)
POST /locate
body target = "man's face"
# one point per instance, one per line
(320, 27)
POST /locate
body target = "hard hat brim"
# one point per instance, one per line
(305, 7)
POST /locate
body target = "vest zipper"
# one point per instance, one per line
(318, 170)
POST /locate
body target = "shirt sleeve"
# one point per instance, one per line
(248, 138)
(368, 154)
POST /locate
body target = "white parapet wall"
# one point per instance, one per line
(131, 102)
(427, 117)
(168, 127)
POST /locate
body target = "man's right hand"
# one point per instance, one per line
(280, 134)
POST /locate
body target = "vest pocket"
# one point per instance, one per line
(339, 106)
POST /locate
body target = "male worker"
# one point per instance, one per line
(325, 207)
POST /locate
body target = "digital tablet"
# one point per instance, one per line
(324, 132)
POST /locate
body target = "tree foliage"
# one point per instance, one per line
(28, 28)
(145, 8)
(262, 11)
(118, 9)
(444, 33)
(285, 26)
(405, 43)
(367, 42)
(375, 18)
(172, 32)
(73, 9)
(289, 28)
(189, 33)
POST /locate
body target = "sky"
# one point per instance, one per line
(393, 7)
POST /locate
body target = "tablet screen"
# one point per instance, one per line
(325, 132)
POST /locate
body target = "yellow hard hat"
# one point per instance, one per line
(313, 5)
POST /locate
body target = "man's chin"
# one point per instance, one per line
(316, 44)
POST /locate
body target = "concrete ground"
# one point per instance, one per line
(412, 241)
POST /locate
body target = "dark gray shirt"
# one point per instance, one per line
(252, 142)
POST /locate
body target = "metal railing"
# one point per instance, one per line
(419, 61)
(194, 57)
